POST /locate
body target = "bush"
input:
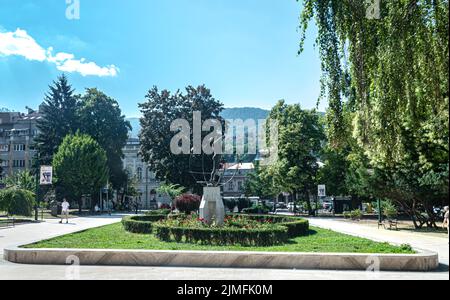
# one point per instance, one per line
(243, 203)
(188, 203)
(141, 224)
(390, 211)
(296, 227)
(165, 206)
(230, 204)
(356, 215)
(163, 212)
(258, 209)
(17, 202)
(223, 236)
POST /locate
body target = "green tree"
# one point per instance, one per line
(16, 201)
(159, 110)
(59, 118)
(396, 80)
(80, 167)
(21, 180)
(101, 118)
(300, 142)
(171, 190)
(260, 184)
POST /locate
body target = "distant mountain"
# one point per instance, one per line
(243, 113)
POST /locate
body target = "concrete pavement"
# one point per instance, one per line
(416, 240)
(34, 232)
(29, 233)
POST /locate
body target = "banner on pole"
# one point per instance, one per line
(46, 177)
(322, 191)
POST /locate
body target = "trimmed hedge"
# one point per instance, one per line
(141, 224)
(261, 237)
(296, 226)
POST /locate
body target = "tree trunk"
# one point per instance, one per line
(308, 203)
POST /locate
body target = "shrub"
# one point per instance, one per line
(141, 224)
(16, 201)
(163, 212)
(258, 209)
(356, 215)
(390, 211)
(230, 204)
(222, 236)
(165, 206)
(188, 203)
(296, 227)
(243, 203)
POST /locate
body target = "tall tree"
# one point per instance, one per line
(396, 76)
(260, 184)
(59, 118)
(80, 167)
(300, 141)
(159, 110)
(101, 118)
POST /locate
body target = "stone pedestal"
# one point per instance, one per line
(212, 206)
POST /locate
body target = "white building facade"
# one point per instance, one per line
(146, 183)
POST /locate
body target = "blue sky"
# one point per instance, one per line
(245, 51)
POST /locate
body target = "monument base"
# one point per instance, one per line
(211, 207)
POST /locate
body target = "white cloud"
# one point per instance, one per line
(19, 43)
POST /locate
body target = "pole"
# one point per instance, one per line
(380, 216)
(36, 205)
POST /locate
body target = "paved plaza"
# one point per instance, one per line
(33, 232)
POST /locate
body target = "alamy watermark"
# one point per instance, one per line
(73, 268)
(73, 9)
(239, 137)
(373, 11)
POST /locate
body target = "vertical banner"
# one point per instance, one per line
(46, 177)
(322, 191)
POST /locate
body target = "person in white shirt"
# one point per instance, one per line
(446, 222)
(65, 211)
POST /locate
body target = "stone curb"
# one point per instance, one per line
(423, 261)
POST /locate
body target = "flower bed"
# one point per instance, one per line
(241, 230)
(244, 230)
(264, 235)
(296, 226)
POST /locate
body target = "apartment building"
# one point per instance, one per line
(17, 133)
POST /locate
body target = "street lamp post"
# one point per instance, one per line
(380, 217)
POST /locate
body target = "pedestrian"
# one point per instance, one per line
(65, 211)
(445, 224)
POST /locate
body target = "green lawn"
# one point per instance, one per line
(115, 237)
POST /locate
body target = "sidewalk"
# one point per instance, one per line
(416, 240)
(30, 233)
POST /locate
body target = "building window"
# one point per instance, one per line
(4, 148)
(240, 186)
(19, 147)
(231, 186)
(18, 163)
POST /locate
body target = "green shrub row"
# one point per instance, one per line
(296, 226)
(221, 236)
(259, 209)
(141, 224)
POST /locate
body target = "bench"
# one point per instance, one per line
(6, 221)
(392, 223)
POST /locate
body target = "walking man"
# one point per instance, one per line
(65, 211)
